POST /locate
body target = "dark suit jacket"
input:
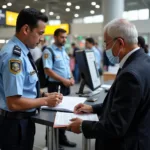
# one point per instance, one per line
(125, 114)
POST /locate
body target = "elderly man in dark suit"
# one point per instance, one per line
(124, 122)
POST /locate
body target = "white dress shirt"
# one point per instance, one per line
(127, 56)
(36, 53)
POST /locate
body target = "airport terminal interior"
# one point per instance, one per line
(82, 20)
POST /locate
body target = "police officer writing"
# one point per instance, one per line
(19, 86)
(57, 68)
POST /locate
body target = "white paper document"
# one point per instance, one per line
(62, 119)
(68, 104)
(106, 86)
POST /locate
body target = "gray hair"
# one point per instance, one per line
(122, 28)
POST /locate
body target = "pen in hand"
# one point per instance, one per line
(59, 89)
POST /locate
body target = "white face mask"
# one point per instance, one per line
(113, 59)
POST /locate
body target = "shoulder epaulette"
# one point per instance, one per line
(17, 50)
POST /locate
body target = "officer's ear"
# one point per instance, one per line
(26, 29)
(55, 38)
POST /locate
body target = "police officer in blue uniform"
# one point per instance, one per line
(56, 65)
(19, 86)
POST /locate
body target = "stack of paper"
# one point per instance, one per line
(68, 104)
(62, 119)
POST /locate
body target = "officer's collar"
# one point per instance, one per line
(23, 47)
(57, 48)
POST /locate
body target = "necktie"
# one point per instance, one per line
(32, 62)
(34, 67)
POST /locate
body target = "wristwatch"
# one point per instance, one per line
(81, 127)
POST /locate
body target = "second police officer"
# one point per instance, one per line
(56, 65)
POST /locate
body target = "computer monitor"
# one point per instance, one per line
(88, 70)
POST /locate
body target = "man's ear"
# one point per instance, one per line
(25, 29)
(121, 41)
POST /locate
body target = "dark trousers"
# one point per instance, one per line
(53, 87)
(100, 72)
(16, 134)
(76, 73)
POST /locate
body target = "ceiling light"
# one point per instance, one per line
(9, 4)
(43, 10)
(35, 0)
(67, 9)
(68, 3)
(51, 13)
(76, 15)
(77, 7)
(92, 12)
(93, 3)
(97, 6)
(2, 41)
(57, 17)
(4, 6)
(27, 6)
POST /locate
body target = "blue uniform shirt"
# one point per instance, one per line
(61, 65)
(97, 57)
(17, 76)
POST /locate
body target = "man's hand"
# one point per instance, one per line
(54, 99)
(83, 108)
(72, 81)
(75, 125)
(66, 82)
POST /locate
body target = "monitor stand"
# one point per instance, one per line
(82, 85)
(86, 93)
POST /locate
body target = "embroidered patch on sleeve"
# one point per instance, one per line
(46, 56)
(15, 66)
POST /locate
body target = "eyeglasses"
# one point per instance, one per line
(106, 44)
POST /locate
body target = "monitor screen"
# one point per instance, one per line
(88, 69)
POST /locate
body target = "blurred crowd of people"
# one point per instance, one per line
(90, 44)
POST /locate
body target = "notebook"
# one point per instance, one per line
(67, 105)
(62, 119)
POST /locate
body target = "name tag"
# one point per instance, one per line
(57, 56)
(32, 72)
